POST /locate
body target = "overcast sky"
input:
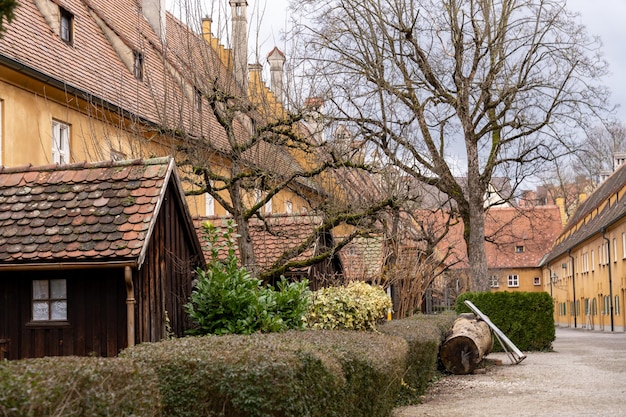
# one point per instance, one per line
(604, 18)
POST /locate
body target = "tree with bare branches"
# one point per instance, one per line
(501, 83)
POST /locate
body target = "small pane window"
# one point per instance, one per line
(513, 281)
(66, 26)
(60, 143)
(49, 300)
(536, 281)
(493, 281)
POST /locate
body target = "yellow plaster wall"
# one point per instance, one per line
(526, 279)
(590, 283)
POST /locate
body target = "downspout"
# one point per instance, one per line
(608, 249)
(569, 252)
(130, 306)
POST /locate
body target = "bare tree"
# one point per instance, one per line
(596, 153)
(505, 83)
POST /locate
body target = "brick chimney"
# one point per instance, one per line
(239, 9)
(154, 12)
(276, 60)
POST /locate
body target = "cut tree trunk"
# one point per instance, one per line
(467, 344)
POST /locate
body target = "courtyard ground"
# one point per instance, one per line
(585, 375)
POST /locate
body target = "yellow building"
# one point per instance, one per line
(517, 238)
(98, 80)
(586, 270)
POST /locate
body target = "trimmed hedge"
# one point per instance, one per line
(77, 387)
(527, 318)
(310, 373)
(424, 335)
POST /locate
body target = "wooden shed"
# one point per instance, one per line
(94, 257)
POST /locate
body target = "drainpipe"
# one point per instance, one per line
(130, 306)
(569, 252)
(608, 249)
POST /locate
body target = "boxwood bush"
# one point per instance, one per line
(527, 318)
(424, 335)
(77, 387)
(310, 373)
(357, 306)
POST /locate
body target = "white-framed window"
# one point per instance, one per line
(623, 243)
(49, 300)
(513, 280)
(593, 260)
(493, 281)
(616, 306)
(209, 205)
(60, 143)
(536, 281)
(66, 26)
(614, 250)
(288, 207)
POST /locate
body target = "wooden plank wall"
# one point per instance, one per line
(164, 282)
(96, 322)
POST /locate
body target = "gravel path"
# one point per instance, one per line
(584, 376)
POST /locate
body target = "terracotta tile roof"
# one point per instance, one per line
(92, 68)
(577, 229)
(285, 232)
(363, 258)
(533, 230)
(81, 212)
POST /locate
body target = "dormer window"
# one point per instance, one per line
(198, 100)
(519, 249)
(138, 65)
(66, 26)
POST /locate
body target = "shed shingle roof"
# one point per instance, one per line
(81, 212)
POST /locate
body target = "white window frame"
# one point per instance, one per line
(614, 250)
(46, 306)
(513, 281)
(288, 207)
(60, 143)
(66, 26)
(209, 205)
(494, 282)
(623, 245)
(593, 260)
(537, 281)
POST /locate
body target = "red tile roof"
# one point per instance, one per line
(534, 230)
(284, 233)
(363, 259)
(81, 212)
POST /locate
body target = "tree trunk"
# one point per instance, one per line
(468, 343)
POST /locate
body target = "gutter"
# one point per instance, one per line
(67, 265)
(608, 248)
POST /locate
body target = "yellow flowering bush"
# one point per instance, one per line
(357, 306)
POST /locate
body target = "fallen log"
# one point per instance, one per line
(467, 344)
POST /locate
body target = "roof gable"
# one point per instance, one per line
(82, 213)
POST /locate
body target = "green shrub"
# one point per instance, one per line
(77, 387)
(424, 335)
(527, 318)
(310, 373)
(226, 299)
(358, 306)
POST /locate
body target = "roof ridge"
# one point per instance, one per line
(164, 160)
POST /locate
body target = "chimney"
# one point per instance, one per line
(276, 60)
(154, 12)
(314, 119)
(240, 42)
